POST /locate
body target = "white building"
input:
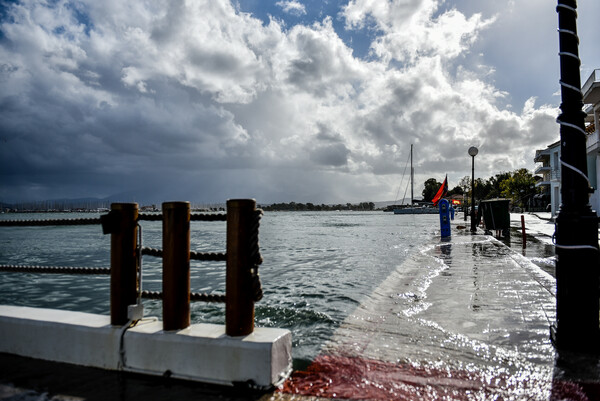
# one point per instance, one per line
(591, 99)
(550, 171)
(550, 157)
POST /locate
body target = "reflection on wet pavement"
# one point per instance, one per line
(463, 319)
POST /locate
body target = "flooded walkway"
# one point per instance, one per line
(466, 318)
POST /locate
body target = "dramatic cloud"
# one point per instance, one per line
(410, 30)
(199, 100)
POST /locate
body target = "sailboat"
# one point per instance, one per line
(411, 209)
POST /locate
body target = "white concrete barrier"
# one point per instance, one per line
(61, 336)
(202, 352)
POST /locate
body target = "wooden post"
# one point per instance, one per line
(123, 261)
(176, 265)
(239, 305)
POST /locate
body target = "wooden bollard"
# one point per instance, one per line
(176, 265)
(239, 304)
(123, 261)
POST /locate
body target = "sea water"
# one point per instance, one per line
(318, 267)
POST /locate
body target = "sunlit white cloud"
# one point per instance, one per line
(292, 7)
(411, 29)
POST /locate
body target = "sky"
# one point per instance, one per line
(290, 100)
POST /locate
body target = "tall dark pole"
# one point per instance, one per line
(412, 176)
(473, 152)
(577, 256)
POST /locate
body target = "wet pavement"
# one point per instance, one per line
(463, 319)
(466, 318)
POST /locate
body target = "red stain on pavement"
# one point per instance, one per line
(334, 376)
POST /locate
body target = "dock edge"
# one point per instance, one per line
(201, 352)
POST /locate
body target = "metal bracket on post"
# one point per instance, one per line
(136, 312)
(110, 222)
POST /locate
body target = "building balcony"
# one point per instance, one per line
(591, 88)
(542, 170)
(542, 156)
(550, 176)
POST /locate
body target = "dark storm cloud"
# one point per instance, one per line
(330, 155)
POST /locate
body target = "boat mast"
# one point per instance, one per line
(412, 176)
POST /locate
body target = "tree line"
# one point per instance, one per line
(518, 185)
(293, 206)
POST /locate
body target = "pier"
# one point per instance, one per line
(126, 340)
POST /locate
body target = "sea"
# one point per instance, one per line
(318, 267)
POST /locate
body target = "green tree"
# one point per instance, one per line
(431, 188)
(457, 190)
(482, 189)
(496, 182)
(519, 186)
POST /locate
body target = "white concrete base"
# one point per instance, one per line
(201, 352)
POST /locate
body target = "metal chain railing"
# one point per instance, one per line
(201, 256)
(243, 262)
(194, 296)
(193, 217)
(50, 222)
(55, 269)
(208, 256)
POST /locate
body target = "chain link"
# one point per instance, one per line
(150, 217)
(208, 256)
(194, 296)
(193, 217)
(152, 252)
(55, 269)
(201, 256)
(255, 257)
(208, 217)
(50, 222)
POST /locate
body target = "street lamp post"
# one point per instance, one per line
(473, 152)
(577, 279)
